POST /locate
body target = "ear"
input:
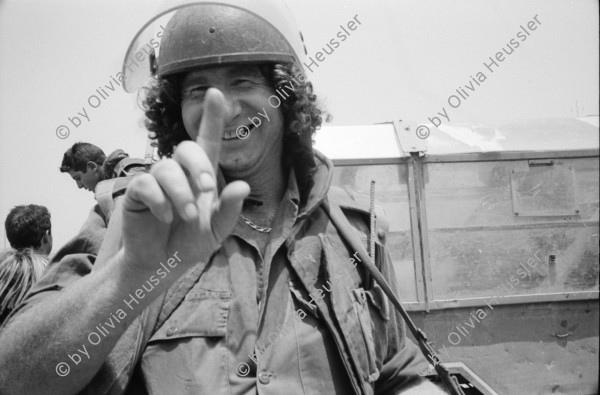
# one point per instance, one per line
(92, 166)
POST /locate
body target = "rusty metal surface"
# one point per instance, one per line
(538, 348)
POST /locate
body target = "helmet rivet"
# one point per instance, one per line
(211, 30)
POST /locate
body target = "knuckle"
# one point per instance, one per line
(162, 165)
(165, 169)
(184, 149)
(185, 145)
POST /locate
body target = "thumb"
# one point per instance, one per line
(230, 206)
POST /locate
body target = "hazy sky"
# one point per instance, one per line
(402, 62)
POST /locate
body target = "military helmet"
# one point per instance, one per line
(211, 33)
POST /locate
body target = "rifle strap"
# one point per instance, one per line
(347, 232)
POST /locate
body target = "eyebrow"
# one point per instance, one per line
(244, 71)
(197, 79)
(233, 72)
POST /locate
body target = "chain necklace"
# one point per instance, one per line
(254, 226)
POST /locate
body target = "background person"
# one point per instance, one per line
(90, 167)
(19, 270)
(83, 162)
(29, 226)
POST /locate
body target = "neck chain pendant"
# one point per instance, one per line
(258, 228)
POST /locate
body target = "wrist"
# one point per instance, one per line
(154, 273)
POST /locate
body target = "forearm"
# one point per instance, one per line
(77, 326)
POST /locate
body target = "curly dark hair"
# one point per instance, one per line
(26, 226)
(301, 114)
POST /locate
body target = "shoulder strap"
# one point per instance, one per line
(342, 224)
(103, 195)
(106, 192)
(122, 168)
(360, 203)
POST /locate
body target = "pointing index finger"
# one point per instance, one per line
(212, 125)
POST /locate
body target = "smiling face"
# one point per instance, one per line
(246, 91)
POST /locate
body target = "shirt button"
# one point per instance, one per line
(264, 378)
(171, 331)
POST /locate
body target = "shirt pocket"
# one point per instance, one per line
(202, 313)
(188, 354)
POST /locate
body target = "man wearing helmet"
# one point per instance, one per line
(231, 277)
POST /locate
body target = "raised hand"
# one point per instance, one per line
(176, 207)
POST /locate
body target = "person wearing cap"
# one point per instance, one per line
(222, 270)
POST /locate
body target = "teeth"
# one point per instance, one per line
(234, 135)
